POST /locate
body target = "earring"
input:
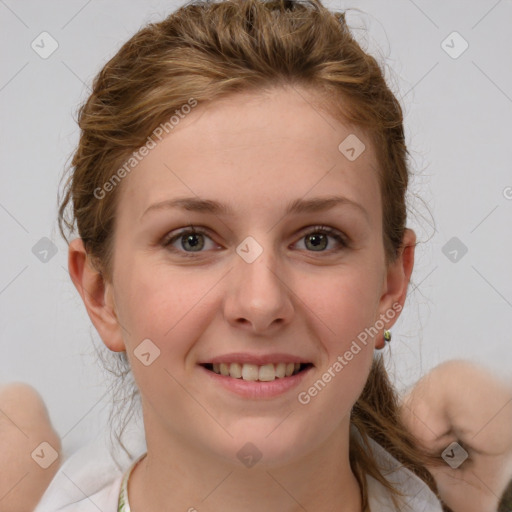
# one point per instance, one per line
(387, 339)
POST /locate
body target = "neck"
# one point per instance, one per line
(179, 478)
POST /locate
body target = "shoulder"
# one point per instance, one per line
(90, 479)
(417, 495)
(76, 500)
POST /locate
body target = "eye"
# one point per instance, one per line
(317, 239)
(192, 238)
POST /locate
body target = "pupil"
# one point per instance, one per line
(190, 238)
(316, 240)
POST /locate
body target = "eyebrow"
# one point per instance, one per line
(298, 206)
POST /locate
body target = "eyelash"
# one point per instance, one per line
(325, 230)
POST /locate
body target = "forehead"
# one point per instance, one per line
(255, 149)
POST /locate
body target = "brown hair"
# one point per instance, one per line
(206, 51)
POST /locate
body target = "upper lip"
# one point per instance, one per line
(257, 359)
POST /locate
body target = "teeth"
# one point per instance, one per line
(235, 370)
(280, 370)
(250, 372)
(267, 372)
(253, 372)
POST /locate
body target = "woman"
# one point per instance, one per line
(238, 192)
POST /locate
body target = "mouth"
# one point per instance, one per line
(259, 373)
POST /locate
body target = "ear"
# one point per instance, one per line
(397, 279)
(97, 295)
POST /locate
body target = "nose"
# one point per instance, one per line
(258, 297)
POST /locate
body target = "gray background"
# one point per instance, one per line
(457, 116)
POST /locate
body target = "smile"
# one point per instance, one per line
(254, 372)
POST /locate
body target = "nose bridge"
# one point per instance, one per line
(259, 294)
(258, 264)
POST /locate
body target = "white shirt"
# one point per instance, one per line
(90, 481)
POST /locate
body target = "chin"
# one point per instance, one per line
(264, 448)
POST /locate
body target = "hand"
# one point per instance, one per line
(24, 425)
(461, 401)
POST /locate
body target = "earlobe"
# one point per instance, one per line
(397, 280)
(96, 294)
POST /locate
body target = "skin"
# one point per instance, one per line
(24, 425)
(260, 305)
(257, 153)
(459, 401)
(456, 401)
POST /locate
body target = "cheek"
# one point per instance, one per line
(346, 302)
(164, 306)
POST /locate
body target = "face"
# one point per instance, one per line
(259, 282)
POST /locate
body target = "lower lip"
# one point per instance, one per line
(257, 389)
